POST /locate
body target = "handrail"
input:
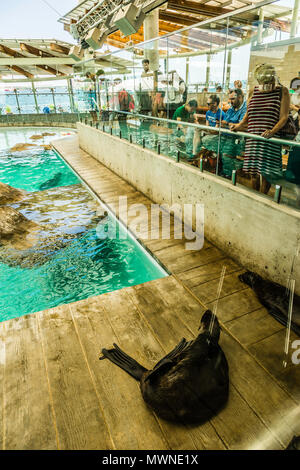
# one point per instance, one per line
(218, 129)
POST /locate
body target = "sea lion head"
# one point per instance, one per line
(250, 278)
(209, 322)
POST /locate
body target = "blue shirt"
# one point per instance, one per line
(236, 115)
(212, 118)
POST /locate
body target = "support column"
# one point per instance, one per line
(151, 30)
(295, 21)
(260, 26)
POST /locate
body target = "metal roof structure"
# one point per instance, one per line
(173, 16)
(30, 57)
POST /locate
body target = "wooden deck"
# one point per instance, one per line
(56, 394)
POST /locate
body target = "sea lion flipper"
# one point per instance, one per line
(181, 346)
(125, 362)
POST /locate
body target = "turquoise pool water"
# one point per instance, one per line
(88, 265)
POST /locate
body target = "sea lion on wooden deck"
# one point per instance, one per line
(191, 383)
(294, 444)
(275, 298)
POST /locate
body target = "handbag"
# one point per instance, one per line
(289, 130)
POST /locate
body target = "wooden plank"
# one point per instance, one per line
(208, 291)
(79, 418)
(236, 305)
(273, 360)
(29, 420)
(254, 326)
(264, 395)
(2, 376)
(290, 380)
(131, 424)
(190, 259)
(208, 272)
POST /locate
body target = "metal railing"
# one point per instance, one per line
(107, 123)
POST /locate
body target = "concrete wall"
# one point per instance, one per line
(252, 229)
(285, 58)
(48, 120)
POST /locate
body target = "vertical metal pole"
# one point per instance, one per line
(35, 99)
(294, 24)
(277, 194)
(53, 99)
(71, 95)
(227, 79)
(207, 70)
(17, 100)
(260, 26)
(233, 177)
(187, 68)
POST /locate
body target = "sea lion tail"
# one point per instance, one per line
(125, 362)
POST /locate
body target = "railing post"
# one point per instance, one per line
(277, 194)
(17, 100)
(35, 99)
(233, 177)
(201, 164)
(53, 99)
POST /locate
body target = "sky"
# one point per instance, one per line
(34, 19)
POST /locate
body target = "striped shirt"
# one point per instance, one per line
(263, 157)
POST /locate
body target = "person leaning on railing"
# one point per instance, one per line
(267, 113)
(213, 116)
(231, 147)
(185, 113)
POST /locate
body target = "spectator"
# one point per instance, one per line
(144, 96)
(174, 95)
(219, 89)
(230, 147)
(46, 110)
(146, 67)
(186, 111)
(238, 84)
(295, 101)
(268, 111)
(214, 113)
(238, 107)
(213, 117)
